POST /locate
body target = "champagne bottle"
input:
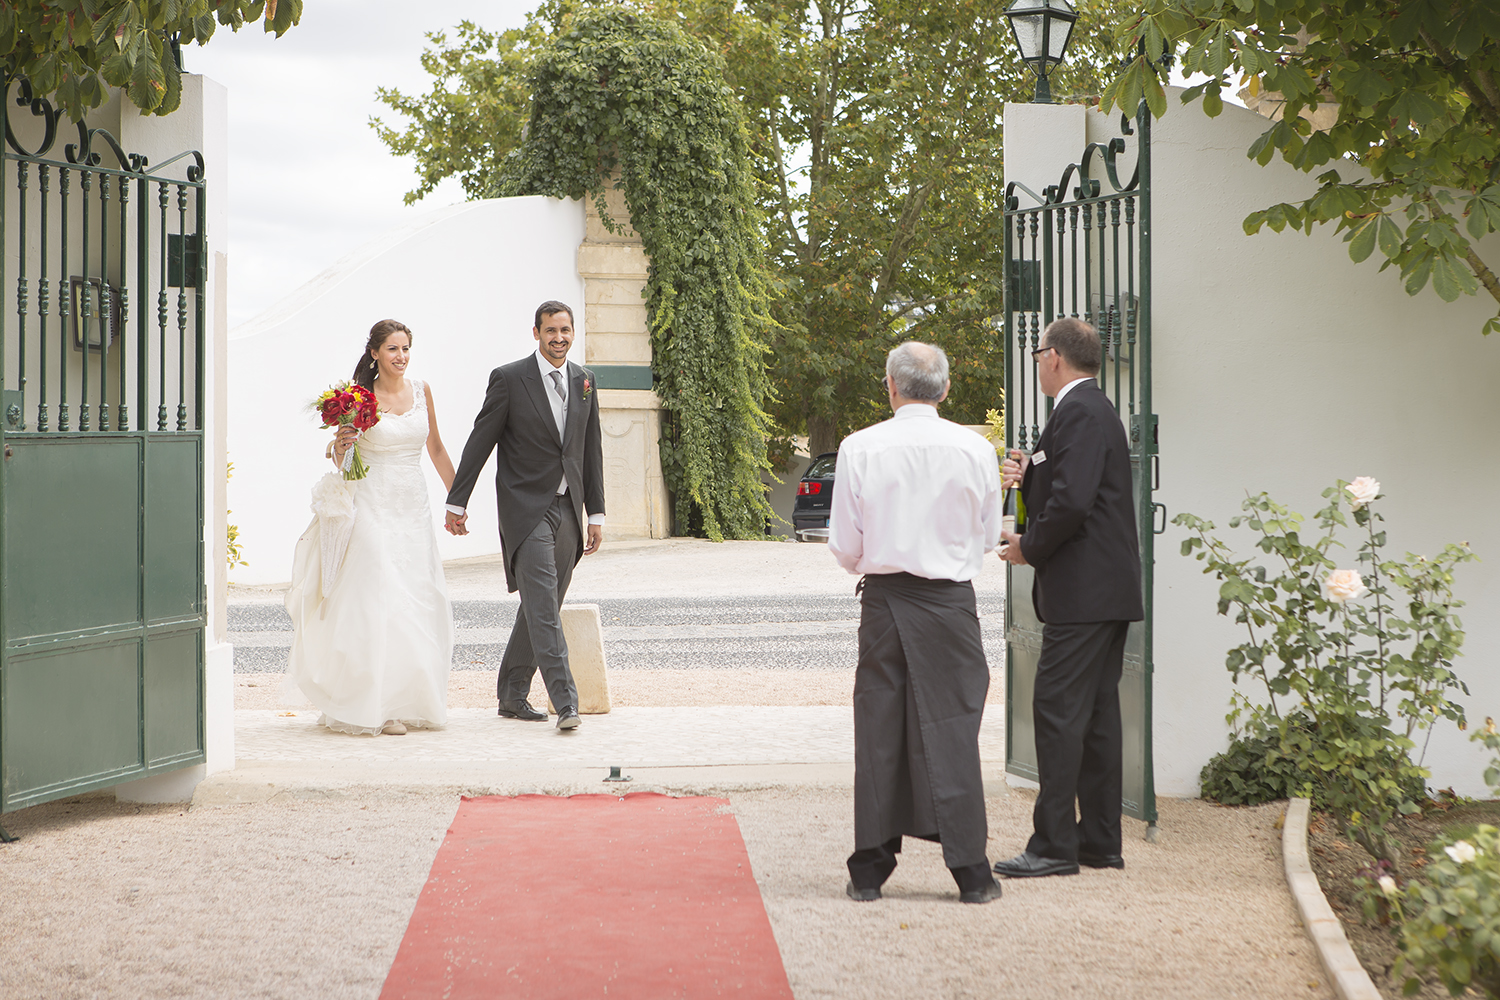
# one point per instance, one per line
(1013, 512)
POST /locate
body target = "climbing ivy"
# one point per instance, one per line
(618, 91)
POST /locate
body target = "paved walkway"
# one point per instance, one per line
(631, 737)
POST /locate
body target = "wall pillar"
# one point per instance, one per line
(617, 347)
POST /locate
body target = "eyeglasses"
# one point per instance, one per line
(1037, 354)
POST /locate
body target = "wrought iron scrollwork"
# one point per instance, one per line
(1087, 186)
(40, 108)
(83, 152)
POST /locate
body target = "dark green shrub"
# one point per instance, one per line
(1253, 770)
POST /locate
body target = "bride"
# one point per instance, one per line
(373, 631)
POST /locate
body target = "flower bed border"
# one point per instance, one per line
(1350, 980)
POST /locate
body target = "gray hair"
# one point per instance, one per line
(918, 371)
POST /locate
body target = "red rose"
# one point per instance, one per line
(347, 402)
(331, 411)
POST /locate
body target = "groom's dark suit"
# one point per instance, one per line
(1080, 538)
(541, 531)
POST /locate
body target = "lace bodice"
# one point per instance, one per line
(399, 437)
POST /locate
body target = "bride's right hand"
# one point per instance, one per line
(343, 442)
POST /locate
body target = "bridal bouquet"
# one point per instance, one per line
(345, 404)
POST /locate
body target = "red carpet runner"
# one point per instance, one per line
(534, 897)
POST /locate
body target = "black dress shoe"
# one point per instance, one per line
(985, 895)
(568, 719)
(1028, 865)
(861, 895)
(521, 710)
(1092, 860)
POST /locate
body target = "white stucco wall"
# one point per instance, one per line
(466, 280)
(1280, 365)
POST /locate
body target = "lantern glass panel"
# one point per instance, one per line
(1028, 32)
(1057, 41)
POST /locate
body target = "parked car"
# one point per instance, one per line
(814, 499)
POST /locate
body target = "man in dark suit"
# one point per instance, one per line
(541, 419)
(1080, 537)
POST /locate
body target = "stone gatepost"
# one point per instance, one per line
(617, 347)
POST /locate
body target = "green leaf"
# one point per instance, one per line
(1416, 106)
(1361, 239)
(1389, 236)
(1156, 97)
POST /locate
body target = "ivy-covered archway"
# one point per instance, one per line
(618, 91)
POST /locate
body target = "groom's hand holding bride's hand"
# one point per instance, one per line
(457, 524)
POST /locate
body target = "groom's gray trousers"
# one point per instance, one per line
(543, 569)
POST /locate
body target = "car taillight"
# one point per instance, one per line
(809, 489)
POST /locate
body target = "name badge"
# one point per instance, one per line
(1037, 458)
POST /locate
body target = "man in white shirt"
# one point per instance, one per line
(916, 505)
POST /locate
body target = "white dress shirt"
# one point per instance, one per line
(559, 416)
(1069, 388)
(915, 494)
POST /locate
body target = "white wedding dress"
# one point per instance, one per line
(372, 628)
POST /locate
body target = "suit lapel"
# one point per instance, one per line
(532, 378)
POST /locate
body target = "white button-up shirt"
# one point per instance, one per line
(915, 494)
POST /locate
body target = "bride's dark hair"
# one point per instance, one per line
(364, 372)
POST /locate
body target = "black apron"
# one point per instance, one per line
(919, 695)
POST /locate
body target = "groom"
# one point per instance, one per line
(541, 418)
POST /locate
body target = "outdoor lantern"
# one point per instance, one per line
(1042, 29)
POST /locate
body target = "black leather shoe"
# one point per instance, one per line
(861, 895)
(568, 719)
(1090, 860)
(521, 710)
(985, 895)
(1028, 865)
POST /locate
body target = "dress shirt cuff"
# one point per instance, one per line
(596, 519)
(454, 510)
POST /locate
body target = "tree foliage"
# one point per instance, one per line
(73, 51)
(878, 132)
(1414, 82)
(874, 132)
(618, 91)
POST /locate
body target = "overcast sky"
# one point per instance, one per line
(308, 180)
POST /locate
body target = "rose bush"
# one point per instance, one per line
(1451, 926)
(1353, 662)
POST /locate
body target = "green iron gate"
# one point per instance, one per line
(1083, 248)
(101, 501)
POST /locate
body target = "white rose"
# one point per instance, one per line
(1344, 585)
(1362, 491)
(1387, 885)
(1463, 852)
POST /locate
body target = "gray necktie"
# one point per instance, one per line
(562, 394)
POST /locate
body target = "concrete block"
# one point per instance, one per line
(598, 260)
(584, 633)
(174, 786)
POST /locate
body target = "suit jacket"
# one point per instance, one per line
(1080, 515)
(516, 423)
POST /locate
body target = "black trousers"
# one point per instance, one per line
(1075, 709)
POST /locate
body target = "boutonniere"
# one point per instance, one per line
(588, 387)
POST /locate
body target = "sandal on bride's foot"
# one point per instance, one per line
(393, 728)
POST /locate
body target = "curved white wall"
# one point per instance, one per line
(466, 280)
